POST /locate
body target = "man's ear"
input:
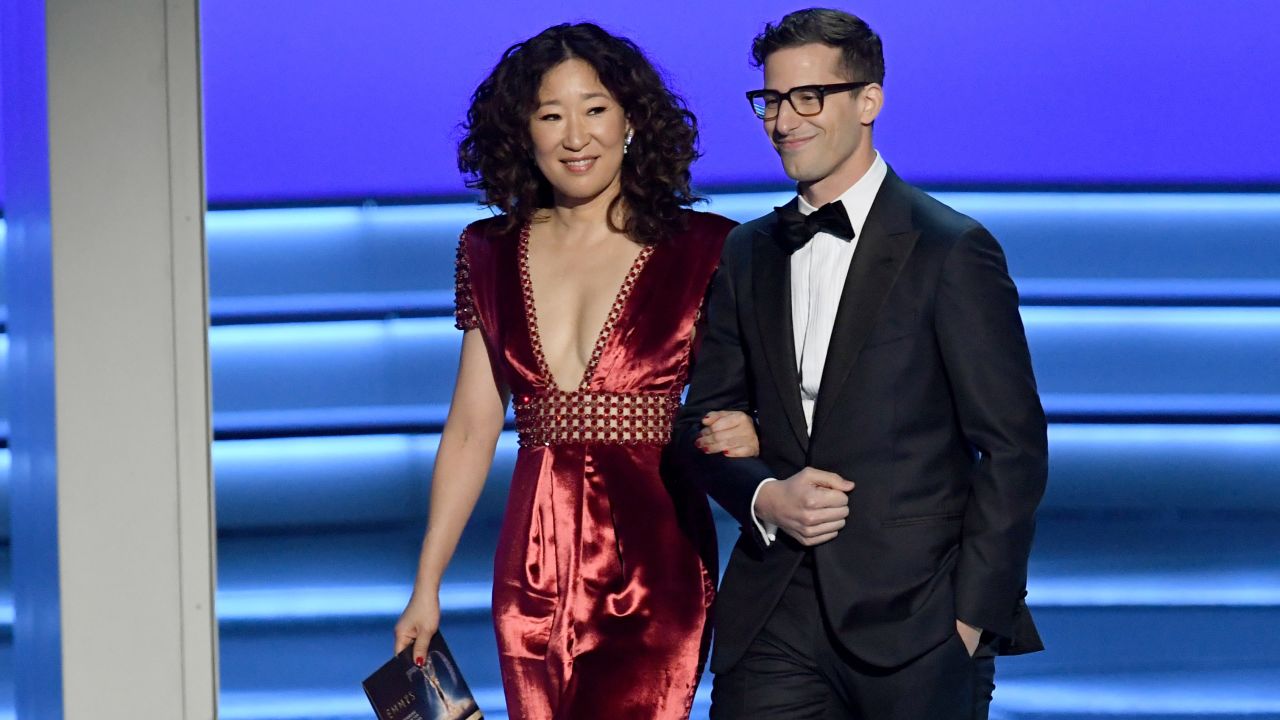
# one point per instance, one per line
(870, 101)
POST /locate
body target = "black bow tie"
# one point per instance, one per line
(794, 229)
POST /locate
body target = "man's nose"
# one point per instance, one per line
(788, 119)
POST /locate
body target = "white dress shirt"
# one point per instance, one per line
(818, 272)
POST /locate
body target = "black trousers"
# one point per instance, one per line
(795, 669)
(984, 685)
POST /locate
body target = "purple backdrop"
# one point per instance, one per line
(329, 99)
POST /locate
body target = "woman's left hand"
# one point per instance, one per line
(729, 432)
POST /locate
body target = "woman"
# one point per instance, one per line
(580, 301)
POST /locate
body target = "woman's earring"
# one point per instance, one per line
(626, 143)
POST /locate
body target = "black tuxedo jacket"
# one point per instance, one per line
(927, 403)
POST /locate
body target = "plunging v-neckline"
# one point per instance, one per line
(602, 336)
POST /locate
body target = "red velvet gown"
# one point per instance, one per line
(605, 570)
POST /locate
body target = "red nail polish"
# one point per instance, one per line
(419, 661)
(726, 452)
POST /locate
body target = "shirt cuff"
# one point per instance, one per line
(768, 531)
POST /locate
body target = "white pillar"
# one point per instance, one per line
(113, 532)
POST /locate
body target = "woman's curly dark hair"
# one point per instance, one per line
(496, 153)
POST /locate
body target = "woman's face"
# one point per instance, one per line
(578, 131)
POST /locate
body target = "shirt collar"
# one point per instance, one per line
(858, 198)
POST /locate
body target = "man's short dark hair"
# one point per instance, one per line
(863, 57)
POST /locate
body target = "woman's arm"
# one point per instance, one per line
(462, 463)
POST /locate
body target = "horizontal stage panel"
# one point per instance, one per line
(1106, 235)
(371, 480)
(333, 365)
(1186, 241)
(1072, 248)
(1132, 236)
(1151, 556)
(1155, 351)
(1206, 357)
(298, 601)
(321, 307)
(1171, 694)
(290, 592)
(308, 482)
(330, 421)
(1164, 467)
(1093, 468)
(4, 387)
(1182, 693)
(1108, 364)
(320, 599)
(1146, 292)
(318, 603)
(4, 275)
(323, 251)
(1164, 351)
(1242, 693)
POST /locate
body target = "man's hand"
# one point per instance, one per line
(810, 506)
(729, 432)
(970, 635)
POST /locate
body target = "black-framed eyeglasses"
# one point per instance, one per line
(806, 100)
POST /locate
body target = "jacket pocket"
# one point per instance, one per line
(934, 519)
(893, 325)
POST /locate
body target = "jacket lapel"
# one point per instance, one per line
(771, 279)
(887, 240)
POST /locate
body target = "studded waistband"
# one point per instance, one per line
(561, 418)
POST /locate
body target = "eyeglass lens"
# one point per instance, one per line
(805, 102)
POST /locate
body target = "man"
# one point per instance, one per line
(875, 334)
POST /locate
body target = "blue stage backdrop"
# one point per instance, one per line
(334, 100)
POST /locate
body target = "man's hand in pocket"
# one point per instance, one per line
(970, 635)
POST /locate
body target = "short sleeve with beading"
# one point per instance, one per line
(465, 317)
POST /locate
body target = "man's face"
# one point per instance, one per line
(835, 142)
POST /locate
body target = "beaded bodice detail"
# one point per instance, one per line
(630, 387)
(610, 322)
(557, 416)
